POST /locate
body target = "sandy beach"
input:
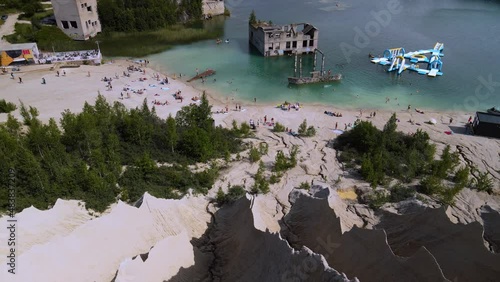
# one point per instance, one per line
(155, 222)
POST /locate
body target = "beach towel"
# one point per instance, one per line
(243, 110)
(152, 85)
(448, 132)
(165, 88)
(338, 131)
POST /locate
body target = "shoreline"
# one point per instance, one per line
(220, 97)
(216, 99)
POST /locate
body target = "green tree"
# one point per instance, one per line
(171, 132)
(252, 19)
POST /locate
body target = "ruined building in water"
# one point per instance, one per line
(275, 40)
(77, 18)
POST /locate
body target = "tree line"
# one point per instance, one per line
(133, 15)
(108, 152)
(385, 155)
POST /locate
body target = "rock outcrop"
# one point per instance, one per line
(459, 249)
(241, 252)
(360, 253)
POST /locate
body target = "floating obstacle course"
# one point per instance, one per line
(396, 60)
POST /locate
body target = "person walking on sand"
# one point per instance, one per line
(20, 80)
(57, 73)
(451, 120)
(12, 75)
(64, 73)
(336, 125)
(43, 80)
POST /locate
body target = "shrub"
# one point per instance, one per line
(261, 185)
(431, 185)
(400, 193)
(263, 148)
(305, 185)
(254, 154)
(461, 177)
(448, 162)
(278, 127)
(377, 200)
(7, 107)
(483, 182)
(305, 131)
(275, 178)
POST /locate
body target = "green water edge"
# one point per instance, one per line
(120, 44)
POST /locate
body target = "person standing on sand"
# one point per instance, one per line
(451, 120)
(20, 80)
(336, 125)
(64, 73)
(43, 80)
(57, 73)
(12, 75)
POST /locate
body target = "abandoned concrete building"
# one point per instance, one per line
(77, 18)
(275, 40)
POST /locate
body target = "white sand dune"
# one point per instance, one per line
(163, 261)
(94, 250)
(36, 227)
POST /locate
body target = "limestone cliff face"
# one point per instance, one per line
(213, 7)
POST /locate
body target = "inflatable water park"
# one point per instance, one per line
(422, 61)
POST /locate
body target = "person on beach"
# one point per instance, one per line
(20, 80)
(43, 80)
(197, 71)
(57, 73)
(409, 107)
(336, 125)
(451, 120)
(64, 73)
(12, 75)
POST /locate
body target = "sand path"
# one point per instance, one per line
(7, 28)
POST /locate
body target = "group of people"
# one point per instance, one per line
(158, 103)
(178, 96)
(333, 114)
(288, 106)
(68, 56)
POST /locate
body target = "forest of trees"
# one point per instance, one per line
(84, 157)
(28, 7)
(133, 15)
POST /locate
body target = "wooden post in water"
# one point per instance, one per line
(300, 66)
(314, 62)
(295, 66)
(322, 64)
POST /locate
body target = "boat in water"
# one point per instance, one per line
(316, 76)
(494, 111)
(202, 75)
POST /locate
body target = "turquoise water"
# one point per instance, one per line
(470, 31)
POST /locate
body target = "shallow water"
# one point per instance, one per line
(470, 31)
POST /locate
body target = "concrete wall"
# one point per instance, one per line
(83, 15)
(281, 43)
(213, 7)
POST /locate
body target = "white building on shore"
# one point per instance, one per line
(77, 18)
